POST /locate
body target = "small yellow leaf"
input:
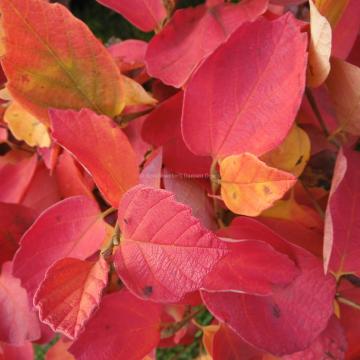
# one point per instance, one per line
(249, 186)
(208, 337)
(26, 127)
(135, 94)
(5, 95)
(291, 210)
(319, 48)
(344, 87)
(292, 154)
(332, 9)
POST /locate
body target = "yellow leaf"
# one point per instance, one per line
(332, 9)
(291, 210)
(249, 186)
(293, 153)
(135, 94)
(208, 337)
(26, 127)
(319, 48)
(344, 88)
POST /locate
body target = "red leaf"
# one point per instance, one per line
(23, 352)
(144, 14)
(70, 293)
(15, 178)
(162, 128)
(238, 107)
(123, 328)
(70, 178)
(342, 222)
(193, 34)
(331, 343)
(60, 351)
(104, 150)
(14, 221)
(18, 323)
(164, 251)
(253, 267)
(291, 318)
(129, 54)
(42, 191)
(71, 228)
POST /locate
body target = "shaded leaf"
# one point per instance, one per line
(14, 221)
(71, 228)
(23, 352)
(238, 109)
(69, 67)
(249, 186)
(343, 84)
(105, 150)
(70, 293)
(144, 14)
(15, 178)
(342, 221)
(18, 322)
(319, 47)
(102, 338)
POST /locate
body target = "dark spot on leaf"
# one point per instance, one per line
(126, 221)
(58, 218)
(267, 190)
(276, 311)
(299, 160)
(147, 291)
(234, 195)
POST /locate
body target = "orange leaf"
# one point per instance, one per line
(344, 87)
(292, 154)
(332, 9)
(249, 186)
(60, 66)
(70, 293)
(25, 126)
(319, 48)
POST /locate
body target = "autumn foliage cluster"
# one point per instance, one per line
(201, 189)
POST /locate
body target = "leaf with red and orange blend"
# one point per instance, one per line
(292, 317)
(124, 327)
(342, 222)
(245, 101)
(71, 228)
(104, 150)
(166, 253)
(196, 32)
(69, 67)
(147, 15)
(18, 322)
(249, 186)
(70, 293)
(14, 221)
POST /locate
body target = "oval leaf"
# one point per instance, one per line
(164, 251)
(244, 101)
(105, 150)
(70, 293)
(69, 67)
(249, 186)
